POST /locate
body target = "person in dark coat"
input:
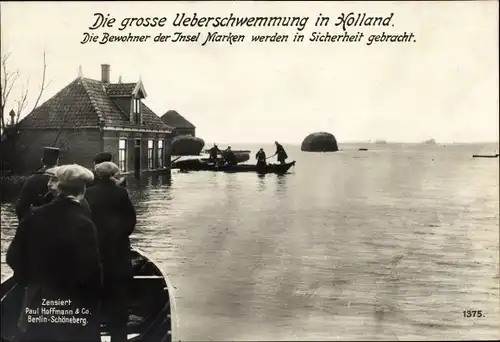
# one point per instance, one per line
(55, 256)
(115, 219)
(229, 156)
(280, 152)
(102, 157)
(261, 157)
(213, 154)
(35, 187)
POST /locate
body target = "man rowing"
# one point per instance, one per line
(280, 152)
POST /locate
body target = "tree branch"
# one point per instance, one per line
(7, 84)
(42, 85)
(21, 103)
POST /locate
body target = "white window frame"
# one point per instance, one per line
(122, 157)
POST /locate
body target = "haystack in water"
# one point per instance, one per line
(319, 142)
(187, 145)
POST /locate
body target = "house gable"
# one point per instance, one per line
(70, 107)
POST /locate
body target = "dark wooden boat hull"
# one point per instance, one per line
(151, 306)
(197, 165)
(485, 156)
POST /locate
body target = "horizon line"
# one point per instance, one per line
(385, 142)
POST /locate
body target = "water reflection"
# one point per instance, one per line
(261, 182)
(153, 180)
(281, 187)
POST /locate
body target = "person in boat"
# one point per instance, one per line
(229, 156)
(52, 188)
(261, 157)
(102, 157)
(280, 152)
(213, 154)
(35, 187)
(55, 257)
(115, 219)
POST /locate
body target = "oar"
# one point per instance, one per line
(176, 159)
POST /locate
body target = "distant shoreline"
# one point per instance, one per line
(366, 142)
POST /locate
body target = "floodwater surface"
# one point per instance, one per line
(391, 243)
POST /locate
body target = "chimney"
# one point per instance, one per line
(12, 115)
(105, 73)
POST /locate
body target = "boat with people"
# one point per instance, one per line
(202, 165)
(152, 316)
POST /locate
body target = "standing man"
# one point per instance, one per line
(35, 187)
(213, 154)
(55, 257)
(114, 216)
(102, 157)
(280, 151)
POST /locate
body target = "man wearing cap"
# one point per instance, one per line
(115, 219)
(55, 256)
(52, 188)
(102, 157)
(35, 187)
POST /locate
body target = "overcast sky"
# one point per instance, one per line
(443, 86)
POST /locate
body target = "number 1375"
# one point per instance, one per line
(473, 313)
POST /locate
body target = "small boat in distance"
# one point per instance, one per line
(152, 316)
(198, 165)
(485, 155)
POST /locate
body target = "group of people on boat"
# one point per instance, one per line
(280, 153)
(229, 158)
(72, 249)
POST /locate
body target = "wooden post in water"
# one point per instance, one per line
(168, 154)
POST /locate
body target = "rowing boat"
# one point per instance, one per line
(151, 305)
(199, 165)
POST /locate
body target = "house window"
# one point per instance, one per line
(160, 153)
(136, 111)
(150, 153)
(122, 155)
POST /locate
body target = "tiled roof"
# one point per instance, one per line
(120, 89)
(175, 120)
(85, 102)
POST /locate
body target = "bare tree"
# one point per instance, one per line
(9, 81)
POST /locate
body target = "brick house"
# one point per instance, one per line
(90, 116)
(180, 125)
